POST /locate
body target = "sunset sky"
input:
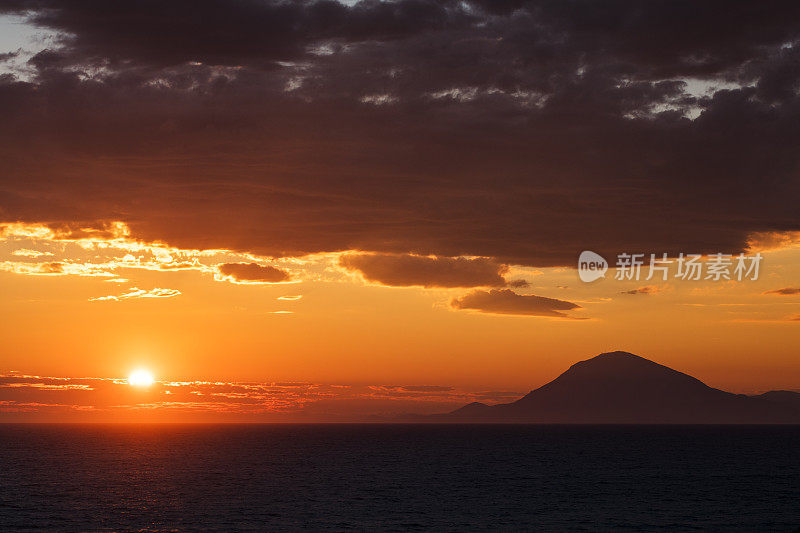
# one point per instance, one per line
(321, 210)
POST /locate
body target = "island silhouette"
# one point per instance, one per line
(623, 388)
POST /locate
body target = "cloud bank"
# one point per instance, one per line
(519, 131)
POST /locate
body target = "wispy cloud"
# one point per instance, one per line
(30, 253)
(139, 293)
(56, 268)
(647, 289)
(786, 291)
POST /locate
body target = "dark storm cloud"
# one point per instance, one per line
(410, 270)
(507, 302)
(223, 32)
(521, 131)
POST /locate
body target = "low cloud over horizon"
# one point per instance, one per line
(101, 399)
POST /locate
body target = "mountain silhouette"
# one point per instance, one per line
(623, 388)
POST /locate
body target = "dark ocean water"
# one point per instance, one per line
(399, 477)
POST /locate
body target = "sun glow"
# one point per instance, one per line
(141, 378)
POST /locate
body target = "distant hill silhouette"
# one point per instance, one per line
(622, 388)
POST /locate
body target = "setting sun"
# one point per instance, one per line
(140, 378)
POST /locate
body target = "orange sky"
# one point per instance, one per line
(384, 202)
(327, 326)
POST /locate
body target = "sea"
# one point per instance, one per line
(396, 477)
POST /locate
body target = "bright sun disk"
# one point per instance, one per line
(141, 378)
